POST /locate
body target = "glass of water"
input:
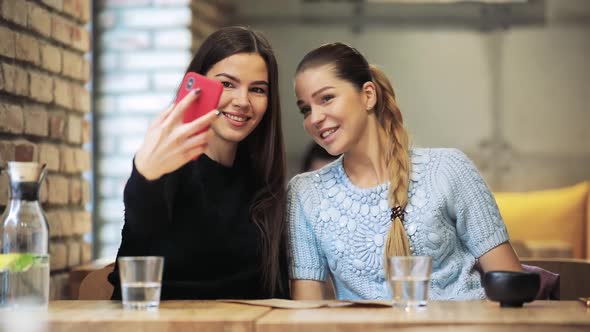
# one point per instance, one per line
(141, 281)
(409, 280)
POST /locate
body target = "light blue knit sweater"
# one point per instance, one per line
(335, 227)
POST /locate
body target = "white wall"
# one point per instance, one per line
(516, 101)
(139, 68)
(546, 88)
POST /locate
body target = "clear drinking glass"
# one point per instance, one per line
(409, 279)
(141, 281)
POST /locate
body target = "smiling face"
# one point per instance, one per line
(334, 110)
(245, 95)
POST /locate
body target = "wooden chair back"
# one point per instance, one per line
(95, 285)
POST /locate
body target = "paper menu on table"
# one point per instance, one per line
(291, 304)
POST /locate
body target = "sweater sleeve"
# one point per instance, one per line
(146, 206)
(307, 259)
(146, 211)
(470, 204)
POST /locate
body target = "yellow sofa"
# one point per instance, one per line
(558, 218)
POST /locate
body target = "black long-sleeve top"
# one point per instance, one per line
(198, 219)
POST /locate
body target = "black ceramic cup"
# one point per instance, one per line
(511, 289)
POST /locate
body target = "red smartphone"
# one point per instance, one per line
(208, 98)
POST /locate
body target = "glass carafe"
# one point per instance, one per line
(24, 240)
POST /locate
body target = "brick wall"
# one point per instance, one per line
(44, 107)
(143, 50)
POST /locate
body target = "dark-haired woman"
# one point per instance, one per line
(212, 204)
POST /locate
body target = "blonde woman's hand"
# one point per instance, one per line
(169, 143)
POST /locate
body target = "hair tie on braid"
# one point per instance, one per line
(397, 243)
(397, 212)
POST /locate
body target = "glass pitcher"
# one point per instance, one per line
(24, 240)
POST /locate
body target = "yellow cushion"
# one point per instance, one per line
(549, 215)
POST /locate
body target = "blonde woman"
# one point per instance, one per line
(382, 198)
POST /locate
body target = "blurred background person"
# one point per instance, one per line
(316, 157)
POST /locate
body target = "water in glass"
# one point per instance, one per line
(29, 287)
(410, 291)
(141, 295)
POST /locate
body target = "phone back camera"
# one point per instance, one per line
(189, 83)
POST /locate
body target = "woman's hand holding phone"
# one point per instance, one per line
(170, 143)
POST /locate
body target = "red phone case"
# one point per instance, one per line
(208, 98)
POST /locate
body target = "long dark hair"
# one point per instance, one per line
(350, 65)
(264, 147)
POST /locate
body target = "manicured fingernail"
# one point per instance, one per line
(217, 112)
(197, 91)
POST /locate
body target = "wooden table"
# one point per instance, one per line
(202, 316)
(439, 316)
(210, 316)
